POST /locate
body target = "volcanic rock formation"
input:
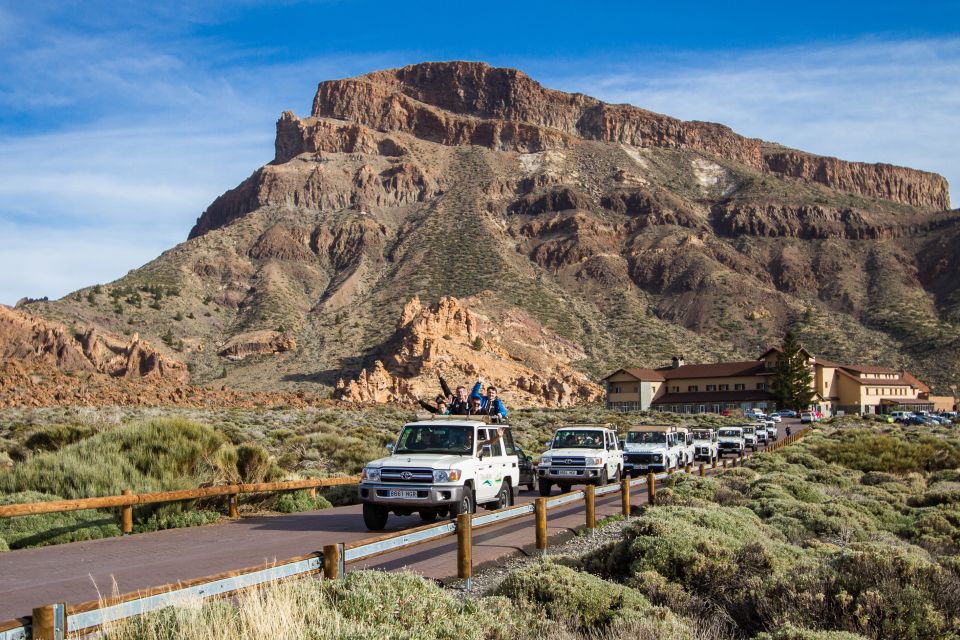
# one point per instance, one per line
(627, 235)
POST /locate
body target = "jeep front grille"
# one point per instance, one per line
(406, 475)
(569, 462)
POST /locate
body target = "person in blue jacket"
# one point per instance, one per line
(490, 404)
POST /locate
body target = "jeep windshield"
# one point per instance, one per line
(429, 438)
(578, 439)
(646, 437)
(702, 435)
(729, 433)
(748, 429)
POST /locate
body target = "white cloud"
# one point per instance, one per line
(894, 102)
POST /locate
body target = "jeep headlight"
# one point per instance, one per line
(597, 461)
(446, 476)
(545, 462)
(371, 473)
(658, 457)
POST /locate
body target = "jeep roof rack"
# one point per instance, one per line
(589, 425)
(653, 427)
(473, 418)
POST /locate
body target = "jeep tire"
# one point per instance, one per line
(504, 497)
(428, 515)
(617, 476)
(604, 478)
(467, 504)
(545, 486)
(375, 516)
(531, 486)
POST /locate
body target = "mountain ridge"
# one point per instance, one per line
(633, 235)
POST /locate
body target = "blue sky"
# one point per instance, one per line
(121, 121)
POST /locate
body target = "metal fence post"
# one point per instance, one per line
(331, 561)
(465, 548)
(590, 497)
(651, 487)
(126, 515)
(540, 510)
(625, 496)
(49, 622)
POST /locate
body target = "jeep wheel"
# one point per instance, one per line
(604, 479)
(375, 516)
(504, 497)
(545, 486)
(617, 476)
(428, 515)
(466, 504)
(531, 486)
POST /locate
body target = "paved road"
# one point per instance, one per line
(80, 571)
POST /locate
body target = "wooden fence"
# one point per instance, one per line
(54, 621)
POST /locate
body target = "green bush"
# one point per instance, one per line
(176, 519)
(57, 436)
(53, 528)
(297, 501)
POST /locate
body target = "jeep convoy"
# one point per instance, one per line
(438, 467)
(580, 454)
(447, 465)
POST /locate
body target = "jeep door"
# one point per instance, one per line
(512, 462)
(487, 468)
(614, 455)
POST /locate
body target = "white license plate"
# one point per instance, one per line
(402, 493)
(567, 472)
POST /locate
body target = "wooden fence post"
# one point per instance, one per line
(232, 500)
(686, 468)
(590, 497)
(331, 561)
(703, 470)
(465, 547)
(126, 515)
(725, 461)
(312, 492)
(49, 622)
(714, 464)
(651, 487)
(625, 496)
(540, 509)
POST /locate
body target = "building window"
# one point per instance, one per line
(761, 386)
(739, 387)
(674, 389)
(724, 387)
(711, 387)
(693, 387)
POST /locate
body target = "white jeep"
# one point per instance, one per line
(705, 445)
(654, 448)
(749, 436)
(580, 454)
(760, 430)
(730, 440)
(441, 466)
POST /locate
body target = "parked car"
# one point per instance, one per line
(440, 467)
(788, 413)
(807, 417)
(775, 417)
(730, 441)
(580, 454)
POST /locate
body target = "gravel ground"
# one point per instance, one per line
(486, 580)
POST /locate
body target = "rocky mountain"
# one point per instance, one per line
(617, 235)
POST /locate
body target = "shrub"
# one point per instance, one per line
(297, 501)
(174, 519)
(56, 436)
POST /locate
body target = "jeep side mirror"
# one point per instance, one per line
(549, 444)
(485, 451)
(390, 447)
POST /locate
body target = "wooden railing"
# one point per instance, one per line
(128, 500)
(53, 621)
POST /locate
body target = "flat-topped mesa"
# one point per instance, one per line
(458, 103)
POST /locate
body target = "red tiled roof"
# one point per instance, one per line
(717, 370)
(696, 397)
(640, 374)
(915, 381)
(864, 368)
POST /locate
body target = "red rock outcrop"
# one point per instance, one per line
(32, 341)
(528, 363)
(257, 343)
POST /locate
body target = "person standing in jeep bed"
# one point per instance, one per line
(490, 404)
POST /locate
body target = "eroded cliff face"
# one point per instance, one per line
(527, 361)
(30, 340)
(563, 236)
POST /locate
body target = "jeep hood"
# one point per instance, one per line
(572, 453)
(420, 460)
(636, 447)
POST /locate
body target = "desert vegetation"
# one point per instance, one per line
(811, 542)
